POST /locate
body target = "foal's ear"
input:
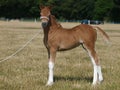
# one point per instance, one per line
(41, 6)
(50, 7)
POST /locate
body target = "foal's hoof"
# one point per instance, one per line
(94, 84)
(100, 81)
(97, 83)
(49, 84)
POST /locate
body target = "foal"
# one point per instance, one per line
(57, 38)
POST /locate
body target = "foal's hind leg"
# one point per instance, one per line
(97, 76)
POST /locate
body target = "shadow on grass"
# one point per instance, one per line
(68, 78)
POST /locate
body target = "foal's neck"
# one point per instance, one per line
(53, 26)
(53, 23)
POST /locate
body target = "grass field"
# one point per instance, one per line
(28, 70)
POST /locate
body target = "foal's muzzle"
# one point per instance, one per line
(44, 24)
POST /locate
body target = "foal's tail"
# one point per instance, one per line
(105, 36)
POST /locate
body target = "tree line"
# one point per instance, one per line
(108, 10)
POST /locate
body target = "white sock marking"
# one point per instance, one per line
(95, 69)
(95, 75)
(100, 73)
(50, 78)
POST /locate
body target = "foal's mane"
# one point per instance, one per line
(58, 24)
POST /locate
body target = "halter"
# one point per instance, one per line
(44, 17)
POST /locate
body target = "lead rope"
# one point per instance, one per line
(20, 49)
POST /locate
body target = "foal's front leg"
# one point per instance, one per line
(51, 66)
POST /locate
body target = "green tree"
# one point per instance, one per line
(19, 8)
(115, 12)
(63, 9)
(73, 9)
(103, 9)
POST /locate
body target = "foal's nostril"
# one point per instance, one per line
(44, 24)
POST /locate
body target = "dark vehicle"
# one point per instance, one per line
(91, 22)
(85, 21)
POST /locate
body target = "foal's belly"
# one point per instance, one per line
(64, 47)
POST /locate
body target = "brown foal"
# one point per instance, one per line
(57, 38)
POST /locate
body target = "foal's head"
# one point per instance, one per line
(45, 13)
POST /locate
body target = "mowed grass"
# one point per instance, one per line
(28, 70)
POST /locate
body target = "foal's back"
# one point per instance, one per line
(82, 31)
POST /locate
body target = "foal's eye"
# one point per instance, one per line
(49, 13)
(41, 13)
